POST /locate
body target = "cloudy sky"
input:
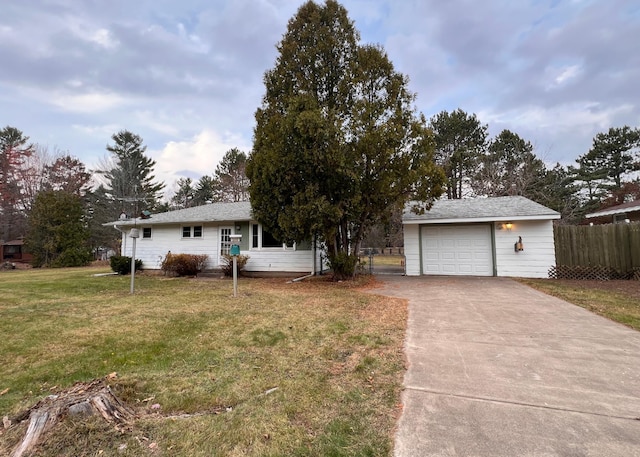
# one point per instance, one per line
(187, 75)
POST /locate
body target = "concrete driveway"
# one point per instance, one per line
(499, 369)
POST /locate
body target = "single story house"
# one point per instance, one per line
(626, 212)
(206, 230)
(498, 236)
(14, 251)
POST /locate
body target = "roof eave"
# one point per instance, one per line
(612, 212)
(148, 222)
(468, 220)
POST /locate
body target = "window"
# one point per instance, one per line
(195, 232)
(146, 232)
(255, 238)
(260, 238)
(269, 241)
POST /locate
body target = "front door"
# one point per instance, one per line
(225, 241)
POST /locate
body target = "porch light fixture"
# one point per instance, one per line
(505, 226)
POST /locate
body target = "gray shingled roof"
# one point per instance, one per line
(212, 212)
(481, 210)
(618, 209)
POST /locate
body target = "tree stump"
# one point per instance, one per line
(83, 399)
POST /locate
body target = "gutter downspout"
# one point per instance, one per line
(313, 266)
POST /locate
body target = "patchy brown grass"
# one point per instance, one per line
(616, 300)
(306, 368)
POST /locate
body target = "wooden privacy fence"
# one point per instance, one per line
(610, 251)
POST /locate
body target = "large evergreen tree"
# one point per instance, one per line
(615, 155)
(204, 191)
(184, 196)
(100, 209)
(58, 234)
(460, 141)
(510, 167)
(130, 180)
(337, 144)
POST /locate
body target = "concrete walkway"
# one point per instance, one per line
(499, 369)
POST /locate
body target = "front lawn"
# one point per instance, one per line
(616, 300)
(310, 368)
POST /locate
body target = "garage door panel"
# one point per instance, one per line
(457, 250)
(448, 268)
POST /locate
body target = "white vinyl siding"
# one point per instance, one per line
(538, 254)
(412, 249)
(169, 238)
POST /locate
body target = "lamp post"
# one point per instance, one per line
(235, 252)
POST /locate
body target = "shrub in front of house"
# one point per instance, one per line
(343, 265)
(227, 263)
(183, 264)
(121, 264)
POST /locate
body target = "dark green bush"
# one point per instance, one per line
(343, 265)
(72, 257)
(184, 264)
(121, 264)
(227, 263)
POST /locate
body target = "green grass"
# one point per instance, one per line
(333, 353)
(615, 300)
(391, 260)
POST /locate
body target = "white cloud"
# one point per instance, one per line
(568, 73)
(104, 38)
(560, 133)
(90, 102)
(559, 76)
(199, 155)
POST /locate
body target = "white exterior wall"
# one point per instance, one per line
(538, 254)
(412, 249)
(169, 238)
(277, 260)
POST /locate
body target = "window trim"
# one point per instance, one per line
(190, 232)
(257, 238)
(144, 232)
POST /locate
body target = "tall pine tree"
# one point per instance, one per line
(130, 180)
(460, 141)
(337, 144)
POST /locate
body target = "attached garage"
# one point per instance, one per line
(477, 237)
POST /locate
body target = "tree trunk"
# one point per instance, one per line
(83, 399)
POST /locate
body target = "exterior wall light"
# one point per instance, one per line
(519, 246)
(508, 225)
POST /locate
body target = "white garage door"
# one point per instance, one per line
(457, 250)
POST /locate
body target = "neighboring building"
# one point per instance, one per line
(478, 237)
(206, 230)
(14, 251)
(627, 212)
